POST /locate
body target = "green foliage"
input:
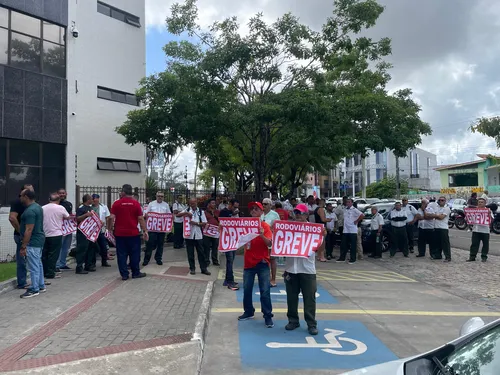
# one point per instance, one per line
(151, 187)
(385, 188)
(272, 105)
(489, 126)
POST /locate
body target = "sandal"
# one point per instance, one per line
(274, 285)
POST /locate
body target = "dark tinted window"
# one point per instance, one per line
(24, 153)
(25, 24)
(3, 172)
(54, 59)
(53, 33)
(117, 96)
(4, 46)
(120, 165)
(18, 177)
(25, 52)
(104, 9)
(52, 179)
(118, 14)
(4, 17)
(54, 155)
(103, 93)
(133, 167)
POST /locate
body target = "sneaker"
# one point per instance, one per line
(340, 260)
(139, 276)
(106, 265)
(159, 262)
(471, 260)
(192, 272)
(124, 278)
(407, 256)
(42, 290)
(144, 264)
(81, 272)
(419, 256)
(291, 326)
(65, 268)
(483, 260)
(447, 260)
(352, 261)
(412, 251)
(23, 286)
(216, 264)
(269, 322)
(225, 283)
(47, 282)
(313, 331)
(58, 270)
(245, 316)
(206, 272)
(29, 293)
(234, 287)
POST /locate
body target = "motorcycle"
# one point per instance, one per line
(495, 225)
(457, 218)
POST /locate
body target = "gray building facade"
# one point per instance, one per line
(33, 96)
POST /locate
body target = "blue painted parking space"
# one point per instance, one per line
(341, 344)
(278, 294)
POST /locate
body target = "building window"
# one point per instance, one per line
(117, 165)
(117, 96)
(32, 44)
(118, 14)
(24, 162)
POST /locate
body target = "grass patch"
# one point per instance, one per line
(7, 271)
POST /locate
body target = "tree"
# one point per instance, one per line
(489, 126)
(279, 101)
(385, 188)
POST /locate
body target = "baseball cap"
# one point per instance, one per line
(302, 208)
(252, 204)
(94, 196)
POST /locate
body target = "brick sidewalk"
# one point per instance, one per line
(85, 316)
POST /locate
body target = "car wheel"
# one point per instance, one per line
(386, 242)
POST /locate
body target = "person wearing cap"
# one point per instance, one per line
(270, 216)
(256, 262)
(103, 213)
(156, 239)
(300, 276)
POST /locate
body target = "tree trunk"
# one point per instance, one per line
(196, 171)
(398, 190)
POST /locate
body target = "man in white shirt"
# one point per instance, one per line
(425, 229)
(195, 238)
(352, 216)
(442, 239)
(480, 233)
(376, 226)
(156, 239)
(300, 276)
(270, 216)
(398, 225)
(104, 215)
(485, 197)
(330, 231)
(411, 213)
(339, 211)
(177, 208)
(311, 206)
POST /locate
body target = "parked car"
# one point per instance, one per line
(458, 204)
(476, 351)
(384, 209)
(363, 202)
(333, 201)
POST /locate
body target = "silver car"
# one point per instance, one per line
(475, 352)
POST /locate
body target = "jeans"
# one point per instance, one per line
(66, 244)
(211, 245)
(156, 240)
(305, 283)
(50, 255)
(349, 242)
(34, 255)
(190, 246)
(264, 276)
(21, 263)
(229, 266)
(178, 235)
(128, 247)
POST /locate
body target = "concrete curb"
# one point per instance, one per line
(202, 323)
(8, 285)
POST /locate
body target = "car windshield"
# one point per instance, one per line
(480, 356)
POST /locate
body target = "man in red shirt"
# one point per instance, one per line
(278, 207)
(211, 241)
(127, 213)
(257, 262)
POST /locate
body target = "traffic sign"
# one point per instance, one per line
(278, 294)
(340, 344)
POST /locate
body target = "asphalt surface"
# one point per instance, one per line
(461, 239)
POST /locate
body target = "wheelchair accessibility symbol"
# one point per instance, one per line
(333, 343)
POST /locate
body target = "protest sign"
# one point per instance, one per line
(237, 232)
(91, 227)
(211, 230)
(478, 216)
(110, 237)
(187, 226)
(296, 239)
(69, 226)
(159, 222)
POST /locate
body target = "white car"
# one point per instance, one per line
(475, 352)
(362, 203)
(333, 201)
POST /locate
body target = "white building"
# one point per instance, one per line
(105, 64)
(417, 168)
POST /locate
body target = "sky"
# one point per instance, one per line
(446, 51)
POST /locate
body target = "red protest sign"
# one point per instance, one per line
(69, 226)
(296, 239)
(237, 232)
(478, 216)
(91, 227)
(187, 226)
(110, 237)
(211, 230)
(159, 222)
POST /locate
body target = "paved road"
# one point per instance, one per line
(460, 239)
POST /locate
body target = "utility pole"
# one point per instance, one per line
(398, 190)
(363, 177)
(353, 179)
